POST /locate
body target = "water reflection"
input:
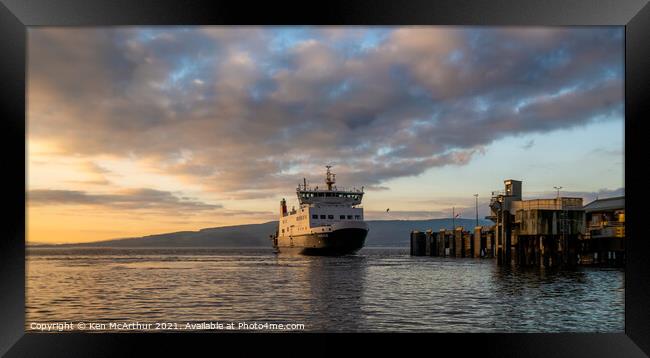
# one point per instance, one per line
(526, 299)
(337, 285)
(376, 290)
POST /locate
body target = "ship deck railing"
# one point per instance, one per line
(352, 190)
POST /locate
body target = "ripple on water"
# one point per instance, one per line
(376, 290)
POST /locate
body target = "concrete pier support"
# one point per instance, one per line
(468, 244)
(442, 242)
(477, 242)
(458, 242)
(507, 234)
(489, 244)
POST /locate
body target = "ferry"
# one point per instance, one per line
(329, 221)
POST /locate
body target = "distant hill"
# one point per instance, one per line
(391, 233)
(396, 232)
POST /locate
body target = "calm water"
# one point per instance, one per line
(375, 290)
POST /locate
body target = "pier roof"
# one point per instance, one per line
(615, 203)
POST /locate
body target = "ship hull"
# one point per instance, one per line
(343, 241)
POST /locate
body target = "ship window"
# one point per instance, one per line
(342, 217)
(349, 217)
(358, 217)
(314, 216)
(322, 216)
(330, 216)
(283, 231)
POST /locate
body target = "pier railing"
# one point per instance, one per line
(548, 204)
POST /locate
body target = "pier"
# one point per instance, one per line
(453, 243)
(554, 232)
(604, 240)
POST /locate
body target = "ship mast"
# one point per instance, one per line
(330, 178)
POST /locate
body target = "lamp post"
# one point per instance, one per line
(476, 196)
(558, 190)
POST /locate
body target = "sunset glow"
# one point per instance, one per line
(135, 131)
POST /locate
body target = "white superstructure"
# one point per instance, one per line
(325, 214)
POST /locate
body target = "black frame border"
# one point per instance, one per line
(17, 15)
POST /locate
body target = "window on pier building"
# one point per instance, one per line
(314, 216)
(330, 216)
(349, 217)
(322, 216)
(342, 217)
(358, 217)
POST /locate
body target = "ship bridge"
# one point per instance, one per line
(331, 195)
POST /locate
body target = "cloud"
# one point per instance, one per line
(95, 168)
(528, 144)
(260, 108)
(405, 215)
(616, 153)
(587, 196)
(131, 199)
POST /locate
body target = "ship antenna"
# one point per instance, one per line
(329, 178)
(304, 183)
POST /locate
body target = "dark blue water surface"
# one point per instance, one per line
(375, 290)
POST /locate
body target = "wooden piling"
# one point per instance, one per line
(418, 243)
(430, 243)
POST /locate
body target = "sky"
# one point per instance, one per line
(134, 131)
